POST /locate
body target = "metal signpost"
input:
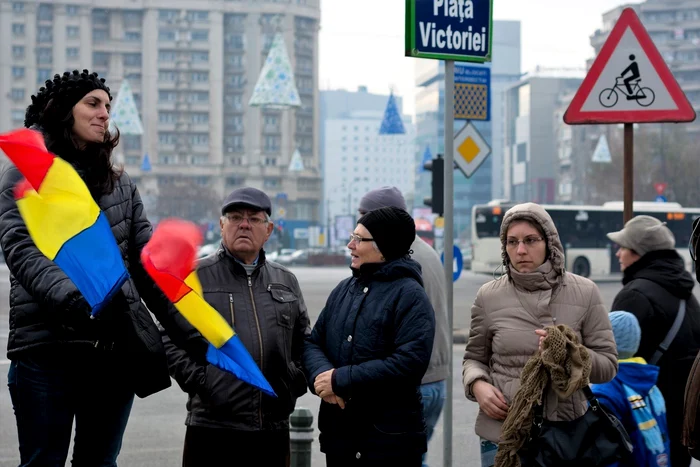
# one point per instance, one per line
(449, 30)
(629, 82)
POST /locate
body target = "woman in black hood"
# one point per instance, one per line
(64, 365)
(654, 283)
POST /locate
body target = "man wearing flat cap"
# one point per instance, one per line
(227, 418)
(655, 282)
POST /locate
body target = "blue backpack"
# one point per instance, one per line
(649, 413)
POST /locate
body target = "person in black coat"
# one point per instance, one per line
(370, 348)
(655, 281)
(65, 365)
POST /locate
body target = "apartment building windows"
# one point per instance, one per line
(132, 59)
(200, 35)
(18, 72)
(166, 35)
(72, 53)
(17, 94)
(100, 59)
(72, 32)
(44, 55)
(45, 12)
(18, 52)
(18, 30)
(42, 75)
(44, 34)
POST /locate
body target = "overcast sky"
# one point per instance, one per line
(362, 41)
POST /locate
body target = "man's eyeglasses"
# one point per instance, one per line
(237, 219)
(357, 239)
(528, 242)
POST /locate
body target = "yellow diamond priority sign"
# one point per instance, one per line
(471, 150)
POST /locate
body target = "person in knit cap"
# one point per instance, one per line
(632, 397)
(370, 348)
(433, 386)
(655, 281)
(65, 365)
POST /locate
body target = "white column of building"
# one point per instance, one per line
(6, 66)
(85, 37)
(149, 96)
(216, 97)
(59, 39)
(252, 115)
(30, 31)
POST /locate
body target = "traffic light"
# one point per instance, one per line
(437, 200)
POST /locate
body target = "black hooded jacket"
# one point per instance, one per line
(653, 289)
(377, 331)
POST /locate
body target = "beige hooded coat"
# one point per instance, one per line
(507, 311)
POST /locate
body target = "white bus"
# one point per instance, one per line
(582, 231)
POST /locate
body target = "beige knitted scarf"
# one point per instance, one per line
(565, 365)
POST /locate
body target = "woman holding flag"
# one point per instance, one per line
(72, 229)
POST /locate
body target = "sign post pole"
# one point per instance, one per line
(448, 242)
(628, 177)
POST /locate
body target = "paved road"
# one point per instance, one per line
(155, 432)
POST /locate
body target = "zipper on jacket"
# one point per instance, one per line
(230, 306)
(257, 325)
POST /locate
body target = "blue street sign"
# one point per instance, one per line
(449, 29)
(280, 223)
(661, 199)
(457, 262)
(472, 92)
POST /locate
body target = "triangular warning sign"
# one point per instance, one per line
(602, 151)
(629, 82)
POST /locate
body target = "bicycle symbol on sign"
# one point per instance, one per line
(628, 87)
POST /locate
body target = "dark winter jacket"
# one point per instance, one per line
(377, 331)
(49, 314)
(640, 378)
(653, 288)
(267, 311)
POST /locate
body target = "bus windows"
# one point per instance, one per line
(488, 224)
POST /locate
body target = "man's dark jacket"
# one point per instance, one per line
(377, 331)
(49, 314)
(267, 311)
(652, 291)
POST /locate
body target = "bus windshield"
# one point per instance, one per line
(487, 221)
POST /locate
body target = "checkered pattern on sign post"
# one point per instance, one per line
(471, 101)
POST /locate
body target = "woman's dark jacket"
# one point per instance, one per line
(49, 314)
(377, 331)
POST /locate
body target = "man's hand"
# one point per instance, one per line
(490, 400)
(335, 400)
(323, 384)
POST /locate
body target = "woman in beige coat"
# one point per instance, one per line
(508, 317)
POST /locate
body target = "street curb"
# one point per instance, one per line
(460, 336)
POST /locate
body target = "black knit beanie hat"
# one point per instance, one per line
(63, 92)
(392, 229)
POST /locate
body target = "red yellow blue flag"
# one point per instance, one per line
(63, 219)
(169, 258)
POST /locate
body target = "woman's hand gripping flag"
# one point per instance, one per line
(63, 220)
(169, 258)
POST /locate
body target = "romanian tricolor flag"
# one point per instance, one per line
(169, 258)
(63, 220)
